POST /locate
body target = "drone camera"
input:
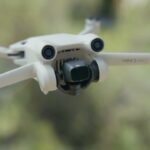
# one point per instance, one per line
(95, 71)
(77, 75)
(85, 73)
(48, 52)
(97, 45)
(76, 71)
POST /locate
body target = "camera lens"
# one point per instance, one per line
(97, 45)
(80, 74)
(48, 52)
(76, 71)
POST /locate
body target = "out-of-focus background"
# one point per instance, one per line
(112, 115)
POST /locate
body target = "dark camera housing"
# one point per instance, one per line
(76, 71)
(97, 45)
(79, 74)
(76, 75)
(48, 52)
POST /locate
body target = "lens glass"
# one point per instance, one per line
(48, 52)
(80, 74)
(97, 45)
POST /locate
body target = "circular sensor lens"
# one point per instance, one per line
(97, 45)
(48, 52)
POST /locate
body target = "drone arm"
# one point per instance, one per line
(44, 74)
(16, 75)
(91, 26)
(126, 58)
(4, 52)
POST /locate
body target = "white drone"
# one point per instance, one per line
(64, 61)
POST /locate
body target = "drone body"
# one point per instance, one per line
(67, 59)
(64, 61)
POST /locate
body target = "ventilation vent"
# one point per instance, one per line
(69, 50)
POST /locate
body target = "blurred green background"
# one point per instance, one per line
(112, 115)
